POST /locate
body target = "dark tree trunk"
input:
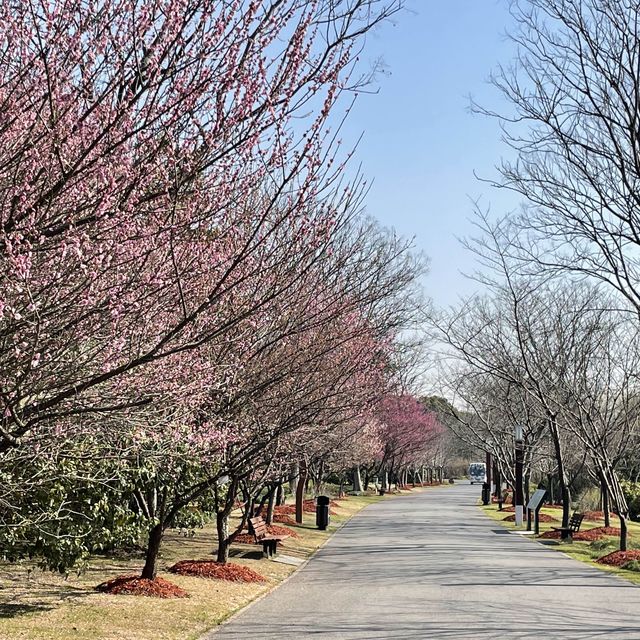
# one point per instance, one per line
(302, 481)
(222, 526)
(562, 477)
(357, 480)
(317, 489)
(293, 480)
(623, 532)
(498, 479)
(153, 550)
(604, 492)
(280, 498)
(263, 501)
(271, 504)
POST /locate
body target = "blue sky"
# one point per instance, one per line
(421, 145)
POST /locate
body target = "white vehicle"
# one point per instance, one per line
(477, 472)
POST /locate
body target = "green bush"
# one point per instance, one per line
(601, 545)
(632, 494)
(632, 565)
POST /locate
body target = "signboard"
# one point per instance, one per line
(536, 499)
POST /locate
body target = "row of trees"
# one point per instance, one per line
(554, 342)
(193, 309)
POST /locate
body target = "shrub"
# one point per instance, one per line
(633, 565)
(632, 494)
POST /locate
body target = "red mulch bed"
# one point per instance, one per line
(589, 535)
(134, 585)
(605, 531)
(543, 518)
(309, 507)
(275, 530)
(272, 529)
(618, 558)
(282, 518)
(597, 515)
(210, 569)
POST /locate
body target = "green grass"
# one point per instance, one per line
(587, 552)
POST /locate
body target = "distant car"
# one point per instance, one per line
(477, 472)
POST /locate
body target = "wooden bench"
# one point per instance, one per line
(258, 527)
(574, 526)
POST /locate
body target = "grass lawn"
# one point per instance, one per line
(587, 552)
(37, 605)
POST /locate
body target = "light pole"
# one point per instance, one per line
(518, 433)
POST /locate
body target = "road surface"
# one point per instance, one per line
(432, 565)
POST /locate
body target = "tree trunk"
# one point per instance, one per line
(222, 525)
(302, 481)
(357, 481)
(293, 481)
(604, 493)
(623, 532)
(367, 479)
(317, 489)
(562, 477)
(271, 504)
(153, 549)
(280, 497)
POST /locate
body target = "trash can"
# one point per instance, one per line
(322, 512)
(486, 493)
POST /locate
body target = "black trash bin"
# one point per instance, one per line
(322, 512)
(486, 493)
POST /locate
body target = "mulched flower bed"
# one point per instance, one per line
(272, 530)
(543, 518)
(309, 506)
(134, 585)
(283, 518)
(605, 531)
(597, 515)
(589, 535)
(210, 569)
(618, 558)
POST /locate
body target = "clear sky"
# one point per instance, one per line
(421, 145)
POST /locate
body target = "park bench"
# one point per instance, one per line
(574, 525)
(258, 527)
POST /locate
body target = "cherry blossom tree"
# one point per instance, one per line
(135, 139)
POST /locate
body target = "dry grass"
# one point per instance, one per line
(36, 605)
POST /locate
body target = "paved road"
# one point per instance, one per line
(431, 565)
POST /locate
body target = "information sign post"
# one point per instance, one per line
(535, 504)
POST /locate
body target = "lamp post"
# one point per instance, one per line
(518, 433)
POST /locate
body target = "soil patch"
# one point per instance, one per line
(210, 569)
(134, 585)
(618, 558)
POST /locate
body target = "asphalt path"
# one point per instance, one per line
(432, 565)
